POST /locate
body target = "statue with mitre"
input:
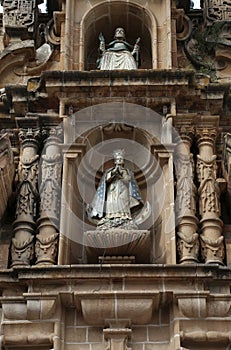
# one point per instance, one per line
(118, 54)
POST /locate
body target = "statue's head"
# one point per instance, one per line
(119, 156)
(119, 34)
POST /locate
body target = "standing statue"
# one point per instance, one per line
(119, 53)
(117, 199)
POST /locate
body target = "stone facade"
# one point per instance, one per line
(65, 284)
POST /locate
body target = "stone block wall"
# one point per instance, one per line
(77, 335)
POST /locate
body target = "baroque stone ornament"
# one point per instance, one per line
(19, 16)
(208, 46)
(212, 245)
(217, 10)
(22, 247)
(119, 54)
(187, 222)
(48, 223)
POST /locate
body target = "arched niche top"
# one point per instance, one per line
(134, 115)
(106, 17)
(102, 128)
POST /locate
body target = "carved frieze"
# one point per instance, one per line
(218, 10)
(19, 13)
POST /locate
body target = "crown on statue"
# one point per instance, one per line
(119, 153)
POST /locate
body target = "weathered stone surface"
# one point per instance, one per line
(162, 286)
(7, 170)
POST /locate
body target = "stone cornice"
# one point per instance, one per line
(148, 271)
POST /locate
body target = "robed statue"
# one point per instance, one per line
(117, 199)
(119, 54)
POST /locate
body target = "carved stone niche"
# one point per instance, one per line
(117, 246)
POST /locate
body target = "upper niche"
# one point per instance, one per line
(106, 18)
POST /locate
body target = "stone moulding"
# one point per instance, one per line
(139, 307)
(28, 340)
(204, 304)
(209, 336)
(30, 306)
(85, 288)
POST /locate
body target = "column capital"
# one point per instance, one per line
(206, 135)
(29, 137)
(185, 134)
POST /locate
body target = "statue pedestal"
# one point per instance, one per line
(117, 246)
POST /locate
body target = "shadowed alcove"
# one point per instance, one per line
(106, 17)
(91, 153)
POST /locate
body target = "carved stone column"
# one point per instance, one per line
(212, 246)
(22, 247)
(187, 222)
(50, 191)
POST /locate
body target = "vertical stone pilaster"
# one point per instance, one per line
(187, 222)
(212, 246)
(167, 218)
(50, 191)
(22, 247)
